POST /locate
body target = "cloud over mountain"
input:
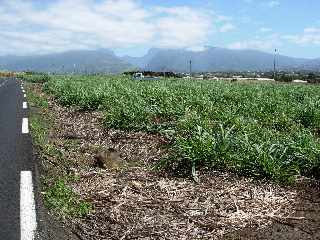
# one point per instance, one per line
(57, 26)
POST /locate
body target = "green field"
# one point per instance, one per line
(264, 130)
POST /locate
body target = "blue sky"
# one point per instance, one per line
(133, 26)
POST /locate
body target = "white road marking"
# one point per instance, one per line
(28, 221)
(24, 105)
(23, 91)
(24, 95)
(25, 126)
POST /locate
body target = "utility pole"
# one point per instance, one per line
(164, 72)
(190, 63)
(274, 64)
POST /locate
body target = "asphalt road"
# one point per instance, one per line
(22, 215)
(15, 156)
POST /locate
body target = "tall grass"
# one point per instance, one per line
(264, 130)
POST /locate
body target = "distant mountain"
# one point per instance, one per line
(141, 62)
(213, 59)
(313, 65)
(105, 61)
(81, 61)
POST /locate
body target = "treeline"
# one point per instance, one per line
(313, 78)
(309, 77)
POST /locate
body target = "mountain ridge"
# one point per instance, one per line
(78, 61)
(217, 59)
(105, 61)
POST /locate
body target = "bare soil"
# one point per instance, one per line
(140, 203)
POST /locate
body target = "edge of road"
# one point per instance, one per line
(48, 228)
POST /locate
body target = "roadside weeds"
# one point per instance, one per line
(58, 196)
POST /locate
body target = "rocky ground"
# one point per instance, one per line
(138, 202)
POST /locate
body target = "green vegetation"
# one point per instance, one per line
(313, 78)
(39, 130)
(264, 130)
(34, 77)
(60, 198)
(283, 77)
(37, 101)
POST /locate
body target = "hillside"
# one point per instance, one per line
(81, 61)
(105, 61)
(313, 65)
(213, 59)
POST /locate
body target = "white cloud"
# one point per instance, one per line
(265, 43)
(87, 24)
(312, 30)
(272, 4)
(222, 18)
(264, 30)
(227, 27)
(250, 44)
(197, 48)
(181, 27)
(310, 35)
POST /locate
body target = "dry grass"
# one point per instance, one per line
(138, 204)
